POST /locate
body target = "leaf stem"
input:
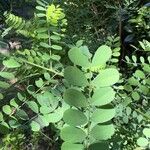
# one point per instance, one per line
(44, 68)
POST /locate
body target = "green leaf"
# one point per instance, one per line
(13, 103)
(47, 76)
(133, 81)
(45, 45)
(40, 8)
(102, 55)
(75, 98)
(135, 96)
(99, 146)
(22, 114)
(143, 142)
(1, 96)
(4, 128)
(139, 74)
(102, 115)
(74, 117)
(75, 76)
(1, 117)
(103, 96)
(42, 36)
(79, 43)
(146, 132)
(78, 58)
(4, 85)
(71, 146)
(33, 106)
(39, 83)
(56, 47)
(134, 59)
(42, 121)
(55, 37)
(72, 134)
(35, 126)
(106, 77)
(14, 123)
(7, 75)
(55, 116)
(7, 109)
(45, 109)
(11, 63)
(103, 132)
(41, 15)
(42, 3)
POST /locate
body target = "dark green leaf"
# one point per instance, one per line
(75, 76)
(75, 98)
(74, 117)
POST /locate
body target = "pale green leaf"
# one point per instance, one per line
(7, 75)
(102, 55)
(39, 83)
(103, 96)
(106, 77)
(146, 132)
(102, 115)
(11, 63)
(143, 142)
(56, 47)
(7, 109)
(72, 134)
(45, 45)
(35, 126)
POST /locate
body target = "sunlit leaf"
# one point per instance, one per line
(103, 132)
(103, 115)
(106, 77)
(103, 96)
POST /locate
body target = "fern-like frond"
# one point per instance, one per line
(15, 22)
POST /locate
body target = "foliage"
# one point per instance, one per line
(68, 96)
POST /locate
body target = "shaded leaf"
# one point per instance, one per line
(78, 58)
(74, 117)
(72, 134)
(75, 76)
(75, 98)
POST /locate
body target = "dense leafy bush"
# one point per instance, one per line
(55, 90)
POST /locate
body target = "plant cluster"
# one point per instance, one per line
(55, 90)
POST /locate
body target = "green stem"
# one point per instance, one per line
(145, 116)
(44, 68)
(89, 119)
